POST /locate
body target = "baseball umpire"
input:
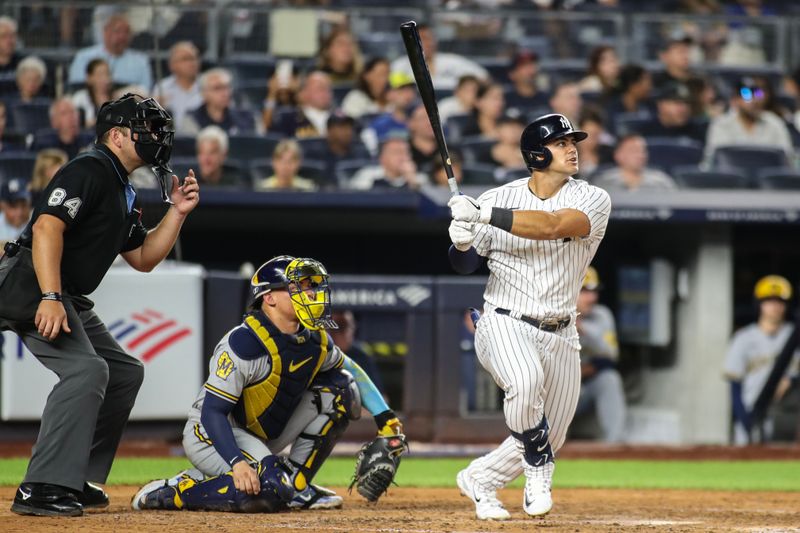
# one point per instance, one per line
(278, 380)
(86, 217)
(539, 235)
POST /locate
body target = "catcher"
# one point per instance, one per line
(275, 380)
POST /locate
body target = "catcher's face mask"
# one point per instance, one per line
(310, 293)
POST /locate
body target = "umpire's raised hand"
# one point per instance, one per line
(185, 197)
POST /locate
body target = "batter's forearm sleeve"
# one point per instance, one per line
(370, 395)
(739, 410)
(214, 418)
(464, 262)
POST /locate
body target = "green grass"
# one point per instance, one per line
(570, 473)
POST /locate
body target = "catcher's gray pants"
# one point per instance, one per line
(87, 410)
(604, 391)
(306, 419)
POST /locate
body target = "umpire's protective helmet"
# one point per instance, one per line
(541, 131)
(299, 276)
(773, 287)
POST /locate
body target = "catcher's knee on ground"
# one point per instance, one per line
(338, 401)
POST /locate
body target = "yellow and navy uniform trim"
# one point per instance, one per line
(202, 438)
(221, 393)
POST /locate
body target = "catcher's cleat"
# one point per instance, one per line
(487, 506)
(158, 494)
(537, 499)
(315, 497)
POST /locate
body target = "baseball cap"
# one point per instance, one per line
(523, 57)
(676, 36)
(115, 113)
(399, 79)
(591, 281)
(674, 91)
(338, 117)
(15, 189)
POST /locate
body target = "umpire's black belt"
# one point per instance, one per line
(550, 326)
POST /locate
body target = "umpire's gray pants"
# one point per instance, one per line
(305, 419)
(606, 394)
(87, 410)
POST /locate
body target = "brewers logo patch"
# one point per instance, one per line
(224, 366)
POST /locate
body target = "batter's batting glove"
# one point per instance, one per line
(464, 208)
(462, 234)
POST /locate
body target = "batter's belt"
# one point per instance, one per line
(551, 326)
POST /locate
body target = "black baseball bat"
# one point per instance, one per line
(425, 87)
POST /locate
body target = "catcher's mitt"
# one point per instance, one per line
(377, 465)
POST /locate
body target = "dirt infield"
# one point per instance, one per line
(438, 510)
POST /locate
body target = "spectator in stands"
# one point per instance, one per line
(771, 103)
(31, 73)
(180, 91)
(96, 92)
(598, 148)
(439, 174)
(446, 68)
(603, 75)
(359, 352)
(705, 101)
(633, 94)
(396, 169)
(601, 384)
(505, 153)
(528, 87)
(489, 107)
(676, 59)
(127, 66)
(370, 93)
(340, 144)
(65, 129)
(15, 209)
(566, 100)
(8, 142)
(310, 118)
(281, 93)
(9, 57)
(286, 160)
(747, 123)
(674, 115)
(48, 161)
(401, 96)
(216, 90)
(422, 140)
(632, 172)
(752, 354)
(340, 57)
(212, 152)
(462, 102)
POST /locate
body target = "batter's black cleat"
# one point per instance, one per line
(44, 499)
(92, 496)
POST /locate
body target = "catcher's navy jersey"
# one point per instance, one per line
(264, 373)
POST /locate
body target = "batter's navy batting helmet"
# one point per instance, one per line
(773, 286)
(300, 277)
(541, 131)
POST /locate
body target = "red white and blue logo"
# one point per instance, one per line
(147, 333)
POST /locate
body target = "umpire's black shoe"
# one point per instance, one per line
(44, 499)
(92, 497)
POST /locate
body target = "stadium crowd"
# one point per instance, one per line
(344, 120)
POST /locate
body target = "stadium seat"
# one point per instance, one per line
(479, 174)
(309, 169)
(670, 152)
(345, 170)
(455, 126)
(627, 123)
(184, 146)
(476, 149)
(249, 69)
(17, 164)
(339, 92)
(247, 147)
(779, 179)
(694, 178)
(749, 159)
(251, 94)
(181, 165)
(29, 118)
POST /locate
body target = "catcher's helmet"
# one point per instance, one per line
(152, 131)
(541, 131)
(299, 276)
(773, 286)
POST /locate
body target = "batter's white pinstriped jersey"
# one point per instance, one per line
(535, 278)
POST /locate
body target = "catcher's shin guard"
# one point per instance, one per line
(536, 444)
